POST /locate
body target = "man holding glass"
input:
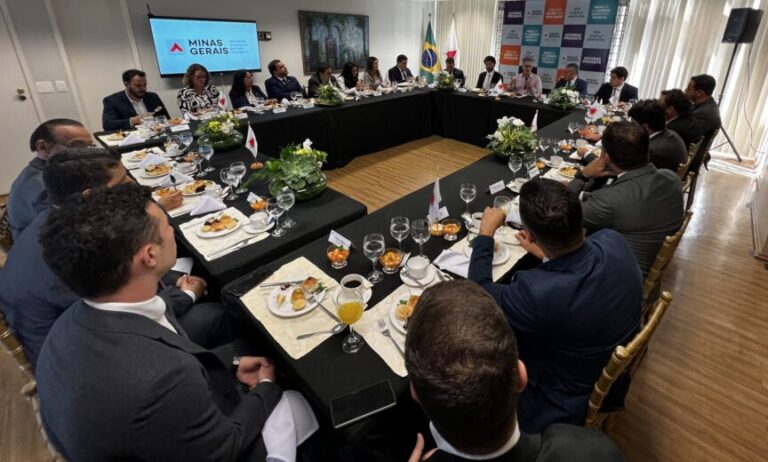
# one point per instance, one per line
(527, 83)
(125, 109)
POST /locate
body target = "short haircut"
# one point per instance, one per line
(90, 241)
(272, 66)
(620, 72)
(45, 131)
(705, 83)
(676, 98)
(74, 170)
(190, 74)
(449, 60)
(321, 68)
(489, 58)
(461, 357)
(627, 145)
(401, 58)
(551, 213)
(527, 59)
(573, 66)
(650, 112)
(131, 73)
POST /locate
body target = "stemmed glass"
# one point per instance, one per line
(294, 97)
(467, 192)
(206, 150)
(161, 120)
(504, 204)
(420, 233)
(373, 248)
(544, 144)
(229, 178)
(238, 170)
(350, 310)
(286, 198)
(399, 227)
(186, 139)
(274, 210)
(458, 83)
(515, 164)
(572, 127)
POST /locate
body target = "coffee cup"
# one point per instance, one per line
(417, 267)
(477, 218)
(353, 281)
(555, 161)
(259, 220)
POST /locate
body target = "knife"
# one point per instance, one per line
(232, 247)
(282, 283)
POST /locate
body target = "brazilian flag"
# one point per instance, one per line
(430, 56)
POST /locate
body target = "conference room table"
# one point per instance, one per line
(326, 372)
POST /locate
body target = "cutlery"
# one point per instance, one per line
(157, 109)
(282, 283)
(311, 298)
(385, 332)
(335, 330)
(237, 245)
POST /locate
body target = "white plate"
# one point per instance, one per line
(143, 174)
(223, 232)
(499, 257)
(285, 310)
(397, 324)
(428, 278)
(209, 187)
(251, 230)
(564, 175)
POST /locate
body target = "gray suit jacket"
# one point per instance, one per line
(28, 197)
(707, 114)
(119, 386)
(667, 150)
(645, 205)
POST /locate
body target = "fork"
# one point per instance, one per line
(311, 298)
(385, 332)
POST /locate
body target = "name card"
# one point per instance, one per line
(496, 187)
(242, 115)
(337, 239)
(533, 173)
(253, 197)
(308, 106)
(442, 213)
(279, 110)
(179, 128)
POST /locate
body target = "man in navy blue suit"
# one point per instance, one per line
(281, 85)
(571, 79)
(570, 312)
(124, 109)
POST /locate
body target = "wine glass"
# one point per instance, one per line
(504, 204)
(186, 139)
(459, 82)
(161, 120)
(206, 150)
(259, 103)
(515, 164)
(373, 248)
(229, 178)
(238, 169)
(286, 198)
(399, 227)
(467, 192)
(274, 210)
(350, 310)
(543, 145)
(294, 96)
(198, 160)
(572, 127)
(420, 233)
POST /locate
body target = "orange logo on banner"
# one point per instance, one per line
(554, 11)
(510, 55)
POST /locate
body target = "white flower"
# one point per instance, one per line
(498, 136)
(307, 144)
(517, 122)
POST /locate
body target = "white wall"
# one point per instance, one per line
(97, 38)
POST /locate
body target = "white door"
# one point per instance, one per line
(18, 116)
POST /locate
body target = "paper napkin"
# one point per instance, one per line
(179, 178)
(207, 205)
(455, 262)
(131, 139)
(152, 159)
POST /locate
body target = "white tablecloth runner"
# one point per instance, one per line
(206, 246)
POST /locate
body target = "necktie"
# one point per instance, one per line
(615, 96)
(487, 83)
(402, 74)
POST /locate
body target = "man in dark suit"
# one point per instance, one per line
(677, 110)
(322, 76)
(32, 297)
(549, 306)
(400, 72)
(458, 74)
(665, 147)
(462, 359)
(616, 90)
(281, 85)
(705, 111)
(571, 79)
(642, 203)
(28, 196)
(123, 110)
(118, 378)
(490, 78)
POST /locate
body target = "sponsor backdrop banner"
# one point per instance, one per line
(555, 33)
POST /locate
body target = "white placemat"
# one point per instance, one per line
(210, 245)
(285, 330)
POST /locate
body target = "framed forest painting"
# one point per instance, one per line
(333, 39)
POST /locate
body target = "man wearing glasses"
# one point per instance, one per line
(28, 196)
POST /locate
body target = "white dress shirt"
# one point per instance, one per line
(616, 95)
(445, 446)
(534, 85)
(487, 83)
(138, 106)
(154, 309)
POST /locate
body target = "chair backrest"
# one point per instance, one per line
(689, 189)
(621, 359)
(664, 256)
(14, 348)
(701, 154)
(6, 239)
(693, 148)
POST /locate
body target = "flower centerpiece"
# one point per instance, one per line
(565, 98)
(298, 168)
(329, 95)
(221, 132)
(512, 137)
(445, 81)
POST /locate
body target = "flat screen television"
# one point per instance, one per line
(220, 45)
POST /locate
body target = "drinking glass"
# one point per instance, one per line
(238, 169)
(399, 227)
(350, 310)
(186, 139)
(515, 164)
(529, 160)
(206, 150)
(459, 82)
(467, 192)
(260, 103)
(286, 198)
(295, 96)
(572, 127)
(504, 204)
(543, 145)
(229, 178)
(198, 160)
(420, 233)
(161, 120)
(274, 210)
(373, 248)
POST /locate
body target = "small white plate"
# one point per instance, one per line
(499, 257)
(216, 234)
(143, 173)
(251, 230)
(209, 187)
(397, 324)
(285, 310)
(428, 278)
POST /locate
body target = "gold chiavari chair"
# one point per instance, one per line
(663, 257)
(688, 185)
(621, 360)
(6, 239)
(693, 148)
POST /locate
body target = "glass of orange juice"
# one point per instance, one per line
(350, 310)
